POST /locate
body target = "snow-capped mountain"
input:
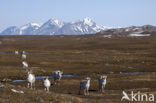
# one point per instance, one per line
(50, 27)
(85, 26)
(29, 28)
(56, 27)
(23, 30)
(11, 30)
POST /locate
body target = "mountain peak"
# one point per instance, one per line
(88, 21)
(55, 22)
(35, 25)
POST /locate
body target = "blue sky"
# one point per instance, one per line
(103, 12)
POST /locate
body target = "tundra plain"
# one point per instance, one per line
(129, 63)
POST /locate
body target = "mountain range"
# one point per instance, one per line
(56, 27)
(83, 26)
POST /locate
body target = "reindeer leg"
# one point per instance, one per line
(87, 91)
(84, 91)
(31, 86)
(54, 83)
(103, 88)
(28, 85)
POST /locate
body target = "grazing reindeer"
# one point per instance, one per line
(46, 84)
(30, 79)
(102, 83)
(57, 76)
(25, 64)
(84, 85)
(24, 56)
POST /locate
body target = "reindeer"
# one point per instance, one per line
(16, 52)
(23, 52)
(25, 64)
(46, 84)
(30, 79)
(84, 85)
(57, 76)
(24, 56)
(102, 83)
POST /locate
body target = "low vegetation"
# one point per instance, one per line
(81, 56)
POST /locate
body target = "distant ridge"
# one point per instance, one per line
(146, 30)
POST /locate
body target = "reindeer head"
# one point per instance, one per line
(46, 77)
(88, 78)
(23, 52)
(60, 72)
(103, 78)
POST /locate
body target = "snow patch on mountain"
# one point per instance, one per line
(87, 21)
(55, 22)
(35, 25)
(138, 35)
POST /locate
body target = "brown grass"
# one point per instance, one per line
(81, 56)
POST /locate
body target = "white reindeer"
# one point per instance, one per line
(46, 84)
(23, 52)
(24, 56)
(57, 76)
(84, 85)
(16, 52)
(102, 83)
(25, 64)
(30, 79)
